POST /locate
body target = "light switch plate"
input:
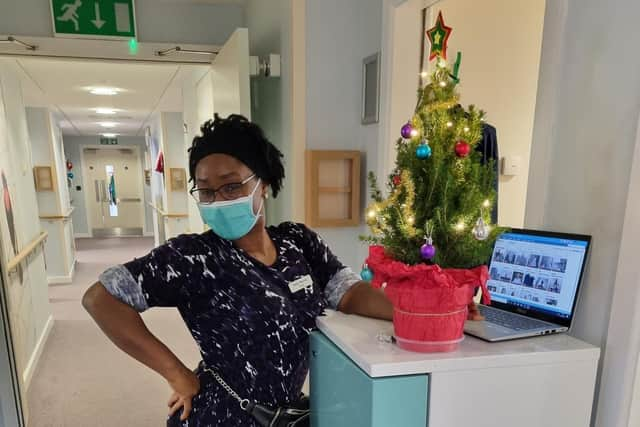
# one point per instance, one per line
(511, 165)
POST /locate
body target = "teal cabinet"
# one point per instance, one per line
(342, 395)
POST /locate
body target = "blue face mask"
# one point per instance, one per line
(231, 219)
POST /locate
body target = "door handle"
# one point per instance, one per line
(97, 188)
(130, 199)
(103, 188)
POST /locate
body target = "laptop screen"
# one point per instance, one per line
(538, 273)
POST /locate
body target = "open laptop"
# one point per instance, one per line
(534, 279)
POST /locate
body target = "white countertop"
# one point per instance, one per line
(357, 337)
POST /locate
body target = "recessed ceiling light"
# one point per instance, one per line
(104, 90)
(109, 135)
(105, 111)
(108, 124)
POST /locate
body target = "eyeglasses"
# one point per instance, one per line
(229, 191)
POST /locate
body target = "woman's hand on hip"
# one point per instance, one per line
(185, 385)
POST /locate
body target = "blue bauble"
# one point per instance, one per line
(366, 274)
(423, 151)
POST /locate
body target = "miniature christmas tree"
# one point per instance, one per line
(441, 193)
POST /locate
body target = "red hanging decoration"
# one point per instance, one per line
(160, 163)
(462, 149)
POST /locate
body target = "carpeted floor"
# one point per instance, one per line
(82, 379)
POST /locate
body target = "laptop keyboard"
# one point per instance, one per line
(512, 321)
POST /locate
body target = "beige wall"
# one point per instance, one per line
(500, 41)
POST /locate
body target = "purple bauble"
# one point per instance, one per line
(406, 130)
(428, 251)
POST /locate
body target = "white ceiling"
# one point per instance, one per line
(62, 86)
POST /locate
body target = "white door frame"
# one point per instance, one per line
(618, 400)
(622, 349)
(388, 83)
(84, 180)
(8, 366)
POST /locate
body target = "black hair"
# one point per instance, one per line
(236, 136)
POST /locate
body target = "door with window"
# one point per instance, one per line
(115, 196)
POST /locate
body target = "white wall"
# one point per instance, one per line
(266, 111)
(174, 157)
(583, 180)
(230, 76)
(195, 112)
(59, 161)
(167, 136)
(269, 26)
(591, 148)
(40, 132)
(27, 294)
(72, 145)
(47, 149)
(223, 88)
(339, 36)
(399, 74)
(623, 335)
(500, 41)
(158, 196)
(171, 21)
(265, 22)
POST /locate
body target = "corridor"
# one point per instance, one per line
(82, 379)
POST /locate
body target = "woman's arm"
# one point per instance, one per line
(364, 300)
(124, 326)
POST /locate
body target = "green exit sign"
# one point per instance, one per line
(108, 141)
(95, 19)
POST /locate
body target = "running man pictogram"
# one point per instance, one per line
(70, 13)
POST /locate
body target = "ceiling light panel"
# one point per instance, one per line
(106, 91)
(105, 111)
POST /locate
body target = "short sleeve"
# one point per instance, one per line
(154, 280)
(335, 278)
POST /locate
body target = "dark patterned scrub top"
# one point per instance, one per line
(249, 325)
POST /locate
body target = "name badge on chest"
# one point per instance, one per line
(304, 282)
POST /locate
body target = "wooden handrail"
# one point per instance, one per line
(157, 209)
(58, 217)
(26, 251)
(168, 214)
